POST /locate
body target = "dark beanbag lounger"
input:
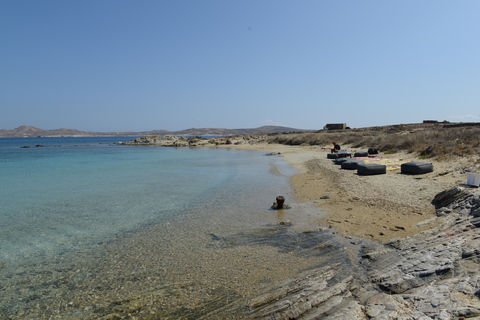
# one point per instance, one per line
(332, 156)
(360, 154)
(416, 167)
(341, 160)
(371, 168)
(351, 164)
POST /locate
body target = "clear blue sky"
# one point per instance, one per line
(114, 65)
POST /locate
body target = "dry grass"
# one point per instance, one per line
(426, 141)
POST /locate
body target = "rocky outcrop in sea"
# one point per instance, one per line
(166, 141)
(433, 275)
(181, 141)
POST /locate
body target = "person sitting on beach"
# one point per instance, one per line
(336, 147)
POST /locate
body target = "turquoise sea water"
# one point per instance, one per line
(77, 191)
(90, 229)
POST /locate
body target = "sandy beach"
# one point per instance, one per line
(376, 207)
(388, 251)
(354, 247)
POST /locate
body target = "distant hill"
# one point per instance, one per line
(228, 132)
(29, 131)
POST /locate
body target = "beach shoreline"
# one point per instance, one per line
(378, 207)
(415, 241)
(352, 247)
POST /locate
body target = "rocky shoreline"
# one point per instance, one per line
(433, 276)
(180, 141)
(414, 240)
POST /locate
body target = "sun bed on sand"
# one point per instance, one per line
(371, 168)
(341, 160)
(339, 155)
(391, 164)
(360, 154)
(344, 154)
(351, 164)
(416, 167)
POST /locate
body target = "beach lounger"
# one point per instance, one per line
(344, 154)
(341, 160)
(360, 154)
(371, 168)
(351, 164)
(372, 151)
(416, 167)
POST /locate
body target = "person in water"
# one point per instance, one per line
(336, 147)
(280, 203)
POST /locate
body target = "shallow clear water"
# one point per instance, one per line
(76, 191)
(90, 229)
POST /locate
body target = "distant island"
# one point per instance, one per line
(29, 132)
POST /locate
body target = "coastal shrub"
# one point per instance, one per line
(390, 151)
(426, 153)
(426, 141)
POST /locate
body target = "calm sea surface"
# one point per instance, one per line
(76, 191)
(90, 229)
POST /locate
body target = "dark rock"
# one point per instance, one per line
(446, 197)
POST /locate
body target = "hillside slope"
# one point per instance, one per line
(30, 131)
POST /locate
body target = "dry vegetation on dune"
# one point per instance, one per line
(428, 141)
